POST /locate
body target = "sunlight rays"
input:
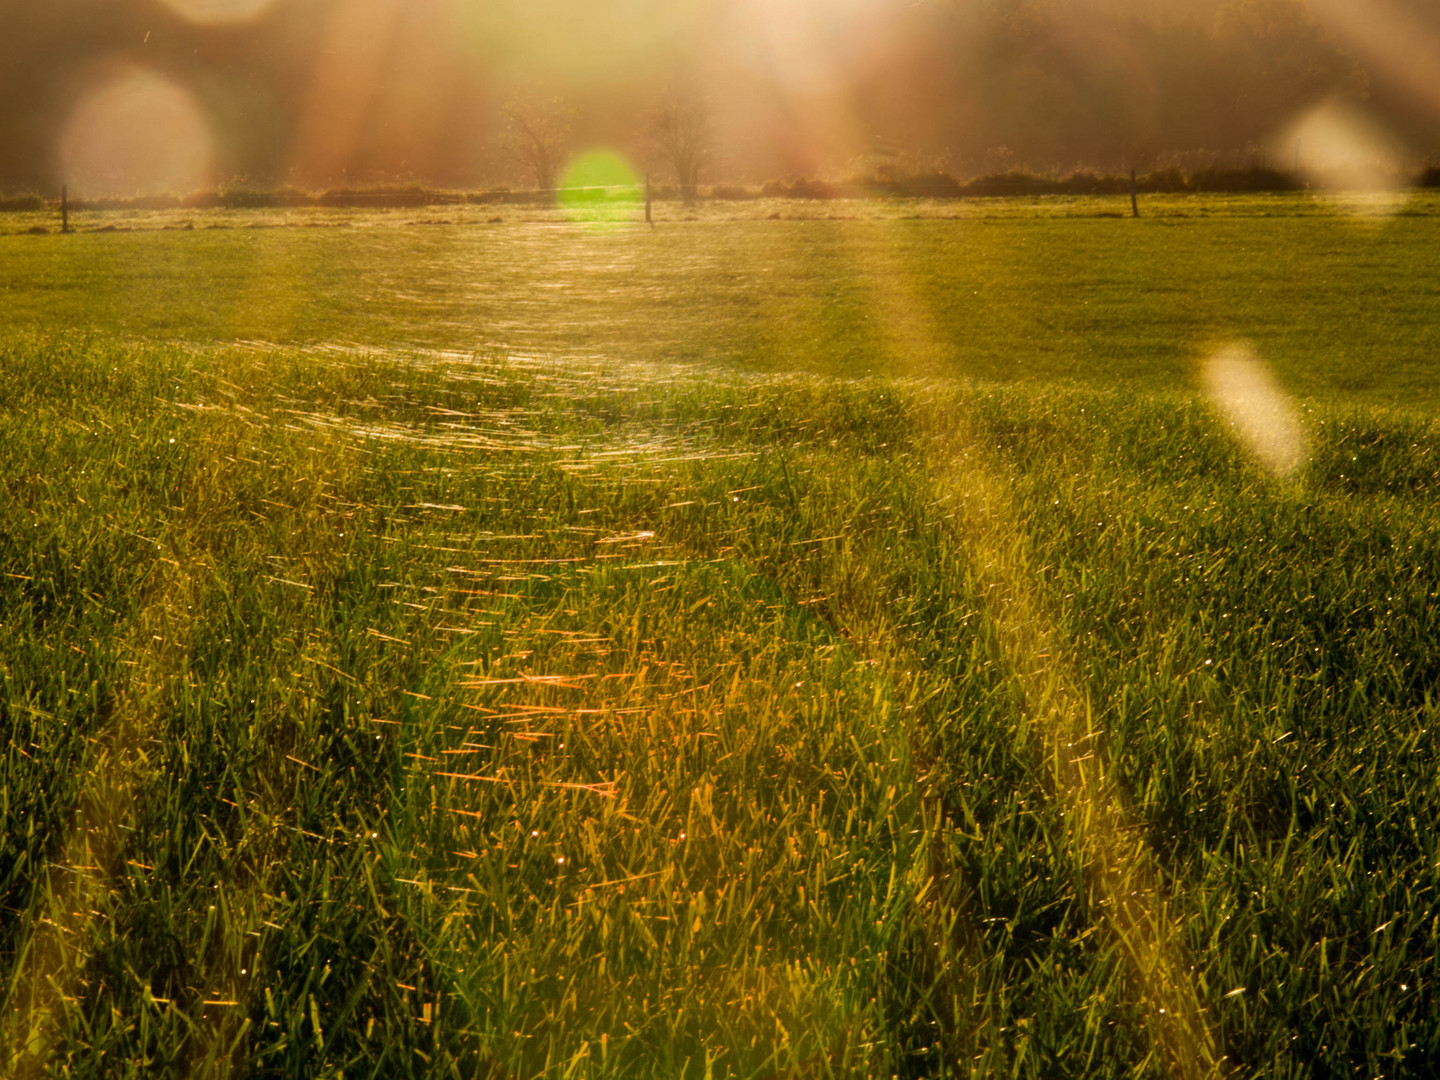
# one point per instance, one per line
(1406, 50)
(806, 54)
(347, 87)
(1128, 887)
(83, 885)
(1127, 884)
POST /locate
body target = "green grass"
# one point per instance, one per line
(1339, 305)
(751, 659)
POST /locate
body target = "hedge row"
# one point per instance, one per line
(938, 185)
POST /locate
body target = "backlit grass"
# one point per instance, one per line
(1339, 305)
(405, 712)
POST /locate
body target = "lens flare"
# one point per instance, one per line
(1343, 152)
(599, 188)
(138, 134)
(1259, 412)
(218, 11)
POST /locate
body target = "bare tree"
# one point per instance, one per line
(680, 128)
(536, 133)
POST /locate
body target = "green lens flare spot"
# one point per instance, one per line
(600, 187)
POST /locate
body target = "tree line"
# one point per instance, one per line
(965, 87)
(536, 133)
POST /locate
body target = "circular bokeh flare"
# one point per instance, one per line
(137, 134)
(600, 187)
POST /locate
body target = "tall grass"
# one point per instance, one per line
(424, 714)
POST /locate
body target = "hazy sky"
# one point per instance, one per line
(122, 96)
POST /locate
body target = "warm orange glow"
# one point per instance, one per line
(138, 134)
(413, 121)
(787, 39)
(345, 88)
(219, 11)
(362, 91)
(807, 51)
(1402, 47)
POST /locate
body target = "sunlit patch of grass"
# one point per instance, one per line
(1007, 290)
(695, 801)
(451, 711)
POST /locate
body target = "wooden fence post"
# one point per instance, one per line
(1134, 199)
(64, 209)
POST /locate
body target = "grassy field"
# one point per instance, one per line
(1018, 291)
(746, 648)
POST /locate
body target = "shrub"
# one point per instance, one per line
(1013, 183)
(1255, 178)
(731, 192)
(936, 185)
(381, 197)
(1170, 181)
(808, 188)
